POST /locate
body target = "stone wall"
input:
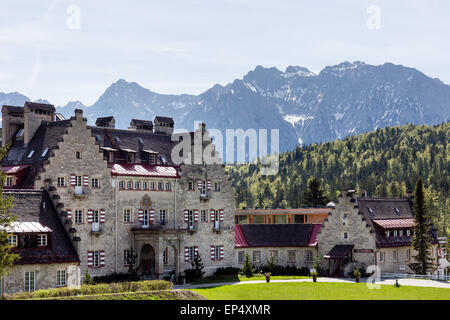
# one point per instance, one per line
(45, 276)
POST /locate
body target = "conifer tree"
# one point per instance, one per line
(198, 266)
(315, 195)
(247, 268)
(421, 239)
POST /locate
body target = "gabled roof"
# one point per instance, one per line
(33, 208)
(276, 235)
(28, 227)
(144, 170)
(104, 119)
(394, 223)
(164, 119)
(40, 106)
(339, 251)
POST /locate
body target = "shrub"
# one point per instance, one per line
(248, 268)
(116, 277)
(190, 275)
(226, 271)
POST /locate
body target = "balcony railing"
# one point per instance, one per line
(204, 196)
(165, 225)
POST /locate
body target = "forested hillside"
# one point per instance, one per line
(385, 162)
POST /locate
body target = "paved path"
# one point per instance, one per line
(402, 282)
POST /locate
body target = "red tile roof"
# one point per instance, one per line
(239, 236)
(13, 169)
(394, 223)
(144, 170)
(313, 238)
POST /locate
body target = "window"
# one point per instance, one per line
(291, 256)
(20, 132)
(168, 186)
(153, 185)
(42, 240)
(381, 256)
(190, 185)
(400, 233)
(408, 232)
(95, 183)
(387, 234)
(78, 181)
(78, 154)
(217, 252)
(191, 253)
(137, 184)
(30, 283)
(144, 185)
(273, 253)
(78, 216)
(408, 254)
(9, 181)
(30, 154)
(216, 186)
(96, 259)
(203, 216)
(162, 215)
(44, 153)
(160, 186)
(127, 215)
(126, 257)
(395, 255)
(61, 278)
(152, 159)
(12, 240)
(129, 184)
(130, 157)
(166, 256)
(61, 181)
(345, 236)
(241, 257)
(395, 233)
(309, 255)
(256, 256)
(121, 184)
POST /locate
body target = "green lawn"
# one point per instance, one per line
(321, 291)
(244, 278)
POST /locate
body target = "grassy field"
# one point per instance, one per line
(321, 291)
(244, 278)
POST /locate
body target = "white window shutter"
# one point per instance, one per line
(86, 181)
(212, 252)
(209, 185)
(102, 215)
(196, 215)
(221, 252)
(69, 214)
(186, 253)
(152, 215)
(212, 215)
(195, 251)
(102, 257)
(90, 216)
(186, 215)
(199, 184)
(73, 179)
(141, 215)
(90, 258)
(221, 214)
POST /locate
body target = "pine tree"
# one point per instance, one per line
(198, 266)
(315, 195)
(421, 239)
(247, 268)
(7, 257)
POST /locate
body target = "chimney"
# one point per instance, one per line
(34, 114)
(106, 122)
(163, 125)
(12, 123)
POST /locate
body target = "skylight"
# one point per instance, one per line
(19, 133)
(44, 153)
(30, 154)
(397, 211)
(370, 210)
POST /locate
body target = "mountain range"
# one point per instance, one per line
(342, 100)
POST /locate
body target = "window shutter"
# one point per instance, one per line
(102, 258)
(90, 216)
(212, 252)
(69, 214)
(195, 251)
(186, 215)
(221, 252)
(221, 214)
(152, 215)
(209, 185)
(102, 216)
(212, 215)
(141, 215)
(199, 184)
(196, 215)
(90, 258)
(186, 253)
(73, 179)
(86, 181)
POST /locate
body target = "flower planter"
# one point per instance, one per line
(267, 278)
(314, 277)
(357, 278)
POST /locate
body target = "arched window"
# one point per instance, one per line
(130, 185)
(121, 184)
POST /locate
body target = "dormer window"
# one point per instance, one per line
(20, 133)
(395, 233)
(400, 233)
(30, 154)
(152, 159)
(121, 184)
(129, 185)
(397, 211)
(370, 210)
(163, 160)
(388, 233)
(408, 232)
(9, 181)
(12, 240)
(44, 153)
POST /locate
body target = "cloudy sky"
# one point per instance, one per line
(73, 50)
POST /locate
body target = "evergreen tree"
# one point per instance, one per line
(247, 268)
(421, 239)
(315, 195)
(7, 257)
(198, 266)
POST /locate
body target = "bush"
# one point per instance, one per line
(191, 275)
(86, 289)
(226, 271)
(117, 277)
(283, 270)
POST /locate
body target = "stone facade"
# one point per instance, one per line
(303, 257)
(45, 277)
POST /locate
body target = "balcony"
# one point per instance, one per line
(96, 229)
(205, 195)
(163, 225)
(80, 192)
(217, 226)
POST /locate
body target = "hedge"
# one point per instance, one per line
(134, 286)
(116, 277)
